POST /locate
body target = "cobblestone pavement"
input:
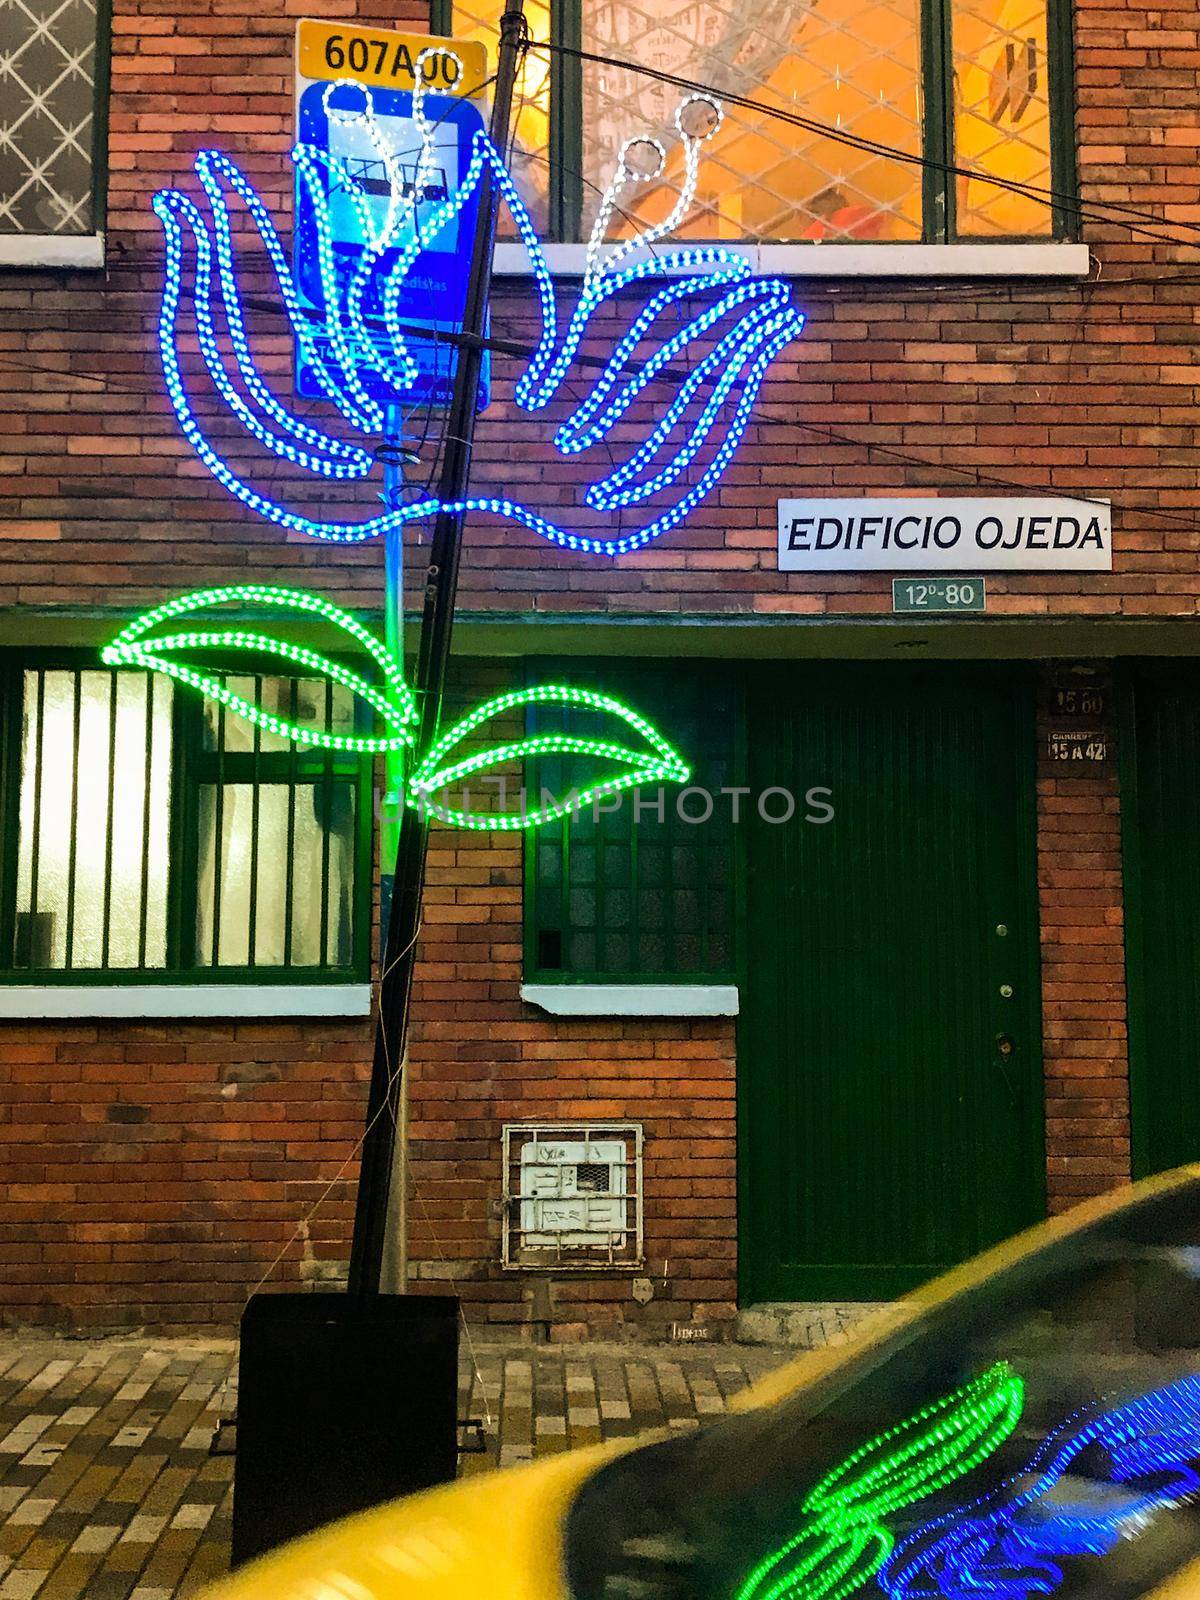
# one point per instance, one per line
(108, 1488)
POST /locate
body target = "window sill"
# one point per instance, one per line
(51, 250)
(633, 999)
(1051, 259)
(139, 1001)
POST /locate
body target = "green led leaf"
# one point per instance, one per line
(637, 749)
(842, 1541)
(138, 645)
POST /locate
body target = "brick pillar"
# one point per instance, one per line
(1080, 896)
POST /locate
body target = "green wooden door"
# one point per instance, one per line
(1159, 739)
(890, 1096)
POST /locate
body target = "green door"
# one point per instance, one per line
(1160, 825)
(890, 1097)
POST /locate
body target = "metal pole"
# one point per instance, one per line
(394, 1273)
(437, 624)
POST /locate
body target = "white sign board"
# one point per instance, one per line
(972, 534)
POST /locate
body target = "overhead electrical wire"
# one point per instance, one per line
(1066, 199)
(972, 290)
(1177, 517)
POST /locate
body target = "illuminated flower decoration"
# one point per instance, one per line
(194, 641)
(648, 759)
(183, 653)
(731, 324)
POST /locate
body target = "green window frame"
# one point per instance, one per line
(54, 116)
(960, 110)
(616, 896)
(192, 886)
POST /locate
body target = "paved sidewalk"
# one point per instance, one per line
(108, 1489)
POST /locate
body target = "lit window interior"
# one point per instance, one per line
(94, 820)
(275, 876)
(846, 64)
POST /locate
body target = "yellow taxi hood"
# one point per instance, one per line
(497, 1536)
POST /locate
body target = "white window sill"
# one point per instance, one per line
(51, 250)
(633, 999)
(1048, 260)
(140, 1001)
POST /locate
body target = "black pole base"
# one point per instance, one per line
(343, 1403)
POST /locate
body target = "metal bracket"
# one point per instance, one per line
(471, 1441)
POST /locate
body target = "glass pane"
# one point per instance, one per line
(337, 822)
(223, 874)
(528, 161)
(282, 698)
(95, 807)
(49, 49)
(141, 817)
(270, 930)
(322, 924)
(1002, 114)
(307, 857)
(323, 849)
(341, 709)
(299, 700)
(647, 888)
(853, 64)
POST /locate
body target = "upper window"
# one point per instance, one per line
(927, 84)
(639, 887)
(51, 159)
(148, 832)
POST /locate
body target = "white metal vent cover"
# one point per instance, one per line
(573, 1195)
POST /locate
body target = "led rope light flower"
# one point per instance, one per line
(138, 646)
(763, 322)
(842, 1540)
(1010, 1543)
(142, 643)
(655, 761)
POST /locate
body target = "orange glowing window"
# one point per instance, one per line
(893, 92)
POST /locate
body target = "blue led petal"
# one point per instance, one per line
(762, 322)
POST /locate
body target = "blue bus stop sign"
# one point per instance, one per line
(434, 293)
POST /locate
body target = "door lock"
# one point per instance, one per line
(1004, 1045)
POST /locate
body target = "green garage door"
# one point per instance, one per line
(1160, 826)
(889, 1051)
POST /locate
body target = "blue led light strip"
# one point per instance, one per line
(730, 373)
(1010, 1543)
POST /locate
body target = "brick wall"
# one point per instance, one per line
(116, 1215)
(1080, 388)
(1085, 1041)
(153, 1172)
(480, 1058)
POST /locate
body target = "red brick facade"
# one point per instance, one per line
(482, 1058)
(157, 1171)
(1085, 1042)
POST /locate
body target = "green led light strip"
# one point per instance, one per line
(842, 1541)
(393, 704)
(656, 762)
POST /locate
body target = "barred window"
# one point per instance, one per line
(639, 888)
(151, 832)
(51, 136)
(921, 85)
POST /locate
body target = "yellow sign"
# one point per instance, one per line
(382, 59)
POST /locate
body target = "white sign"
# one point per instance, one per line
(971, 534)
